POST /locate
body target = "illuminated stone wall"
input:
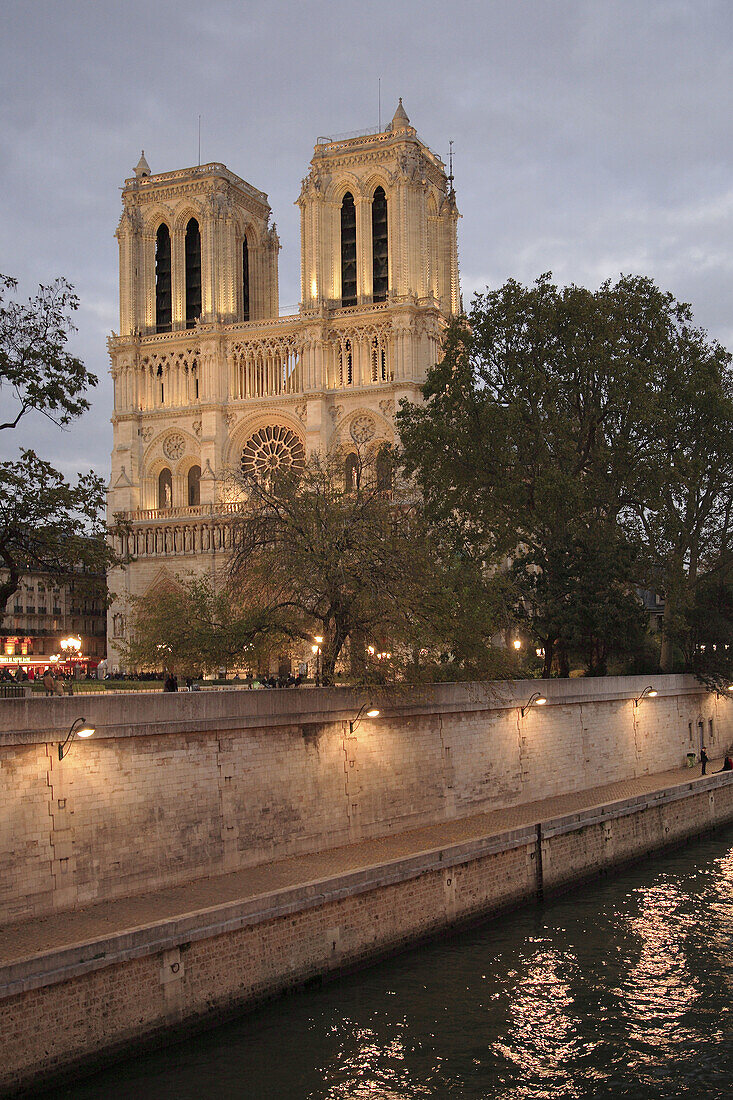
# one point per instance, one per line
(139, 983)
(176, 786)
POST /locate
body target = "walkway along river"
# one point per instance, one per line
(621, 988)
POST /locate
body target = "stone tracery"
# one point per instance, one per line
(272, 450)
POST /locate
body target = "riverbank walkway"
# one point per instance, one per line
(25, 944)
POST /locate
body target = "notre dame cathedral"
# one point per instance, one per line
(208, 377)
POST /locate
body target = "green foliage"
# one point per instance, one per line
(569, 433)
(48, 524)
(195, 626)
(708, 639)
(36, 370)
(345, 564)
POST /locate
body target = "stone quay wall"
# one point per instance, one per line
(95, 1000)
(175, 787)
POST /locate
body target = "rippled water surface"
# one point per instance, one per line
(621, 989)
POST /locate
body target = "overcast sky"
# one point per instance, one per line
(592, 137)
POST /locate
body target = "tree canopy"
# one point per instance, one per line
(192, 625)
(571, 432)
(46, 523)
(343, 562)
(36, 369)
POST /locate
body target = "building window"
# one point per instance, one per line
(193, 273)
(165, 489)
(384, 469)
(380, 262)
(194, 486)
(346, 364)
(245, 280)
(163, 313)
(379, 362)
(270, 452)
(348, 251)
(351, 473)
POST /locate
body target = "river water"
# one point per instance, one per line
(623, 988)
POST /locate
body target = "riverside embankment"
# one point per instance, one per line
(221, 848)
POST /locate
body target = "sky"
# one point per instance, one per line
(592, 138)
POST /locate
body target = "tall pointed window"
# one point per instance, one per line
(245, 280)
(163, 279)
(384, 468)
(165, 489)
(380, 263)
(351, 473)
(193, 273)
(348, 251)
(194, 486)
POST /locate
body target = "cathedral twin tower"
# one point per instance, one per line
(209, 378)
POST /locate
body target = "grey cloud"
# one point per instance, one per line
(590, 138)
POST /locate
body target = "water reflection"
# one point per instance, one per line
(658, 992)
(542, 1038)
(622, 989)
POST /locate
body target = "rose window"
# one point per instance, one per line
(362, 429)
(174, 446)
(270, 451)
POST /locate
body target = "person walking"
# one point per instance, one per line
(703, 759)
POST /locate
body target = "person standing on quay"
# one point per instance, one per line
(703, 759)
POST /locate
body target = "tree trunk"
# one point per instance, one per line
(563, 664)
(666, 655)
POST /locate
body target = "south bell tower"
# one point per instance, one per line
(209, 378)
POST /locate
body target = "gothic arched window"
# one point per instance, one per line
(380, 262)
(384, 468)
(245, 280)
(193, 273)
(346, 364)
(351, 473)
(348, 250)
(165, 489)
(194, 486)
(163, 313)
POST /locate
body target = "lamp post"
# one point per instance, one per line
(79, 728)
(647, 693)
(537, 698)
(372, 712)
(316, 649)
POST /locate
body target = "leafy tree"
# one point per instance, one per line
(344, 563)
(708, 637)
(679, 505)
(46, 523)
(36, 369)
(192, 625)
(571, 433)
(525, 435)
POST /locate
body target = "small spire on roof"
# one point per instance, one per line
(400, 119)
(142, 168)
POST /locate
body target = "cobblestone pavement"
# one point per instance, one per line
(31, 938)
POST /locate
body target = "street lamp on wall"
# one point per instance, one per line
(538, 699)
(647, 693)
(372, 712)
(79, 728)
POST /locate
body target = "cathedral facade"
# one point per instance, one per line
(209, 378)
